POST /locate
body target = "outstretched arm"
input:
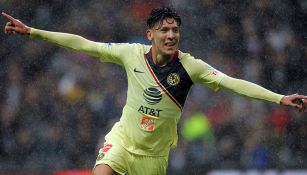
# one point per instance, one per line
(69, 41)
(252, 90)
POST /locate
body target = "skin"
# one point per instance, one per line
(103, 169)
(15, 26)
(165, 41)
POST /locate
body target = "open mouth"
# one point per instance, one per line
(170, 44)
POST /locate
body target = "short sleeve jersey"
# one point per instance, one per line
(155, 97)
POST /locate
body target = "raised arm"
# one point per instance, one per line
(252, 90)
(65, 40)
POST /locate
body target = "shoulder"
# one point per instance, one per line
(188, 59)
(126, 48)
(135, 47)
(142, 47)
(194, 66)
(184, 56)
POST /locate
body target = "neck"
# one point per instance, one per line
(159, 59)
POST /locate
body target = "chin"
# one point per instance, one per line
(170, 52)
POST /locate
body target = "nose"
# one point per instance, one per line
(171, 34)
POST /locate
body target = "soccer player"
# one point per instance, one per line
(159, 78)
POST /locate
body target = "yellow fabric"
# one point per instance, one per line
(143, 129)
(248, 89)
(147, 131)
(201, 72)
(68, 41)
(123, 162)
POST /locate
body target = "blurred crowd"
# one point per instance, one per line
(57, 105)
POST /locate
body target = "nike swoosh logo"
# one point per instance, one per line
(137, 71)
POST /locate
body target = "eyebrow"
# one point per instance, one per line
(161, 27)
(168, 27)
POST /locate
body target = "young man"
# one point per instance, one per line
(159, 78)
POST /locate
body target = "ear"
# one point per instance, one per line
(149, 34)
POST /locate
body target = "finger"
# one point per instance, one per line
(8, 32)
(295, 105)
(9, 24)
(303, 109)
(304, 105)
(9, 29)
(298, 102)
(301, 96)
(8, 16)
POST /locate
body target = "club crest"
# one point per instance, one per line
(173, 79)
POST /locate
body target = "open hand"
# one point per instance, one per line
(15, 26)
(296, 101)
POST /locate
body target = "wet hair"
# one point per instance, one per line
(157, 15)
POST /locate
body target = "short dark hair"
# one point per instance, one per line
(159, 14)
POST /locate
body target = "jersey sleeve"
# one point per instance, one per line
(201, 72)
(115, 52)
(67, 41)
(251, 90)
(106, 52)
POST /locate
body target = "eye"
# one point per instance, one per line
(175, 30)
(163, 30)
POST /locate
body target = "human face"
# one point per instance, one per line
(164, 37)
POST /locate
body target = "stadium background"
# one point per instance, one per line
(57, 105)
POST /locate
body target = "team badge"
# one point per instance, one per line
(148, 124)
(173, 79)
(100, 156)
(102, 151)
